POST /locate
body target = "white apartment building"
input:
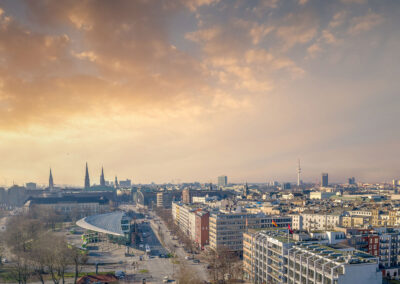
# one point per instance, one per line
(365, 213)
(180, 214)
(271, 257)
(313, 222)
(192, 225)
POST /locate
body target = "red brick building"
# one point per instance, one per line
(202, 228)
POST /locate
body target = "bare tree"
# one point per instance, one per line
(224, 262)
(20, 269)
(21, 233)
(79, 258)
(186, 275)
(38, 258)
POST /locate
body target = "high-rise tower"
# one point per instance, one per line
(324, 180)
(51, 182)
(87, 179)
(245, 190)
(102, 180)
(298, 173)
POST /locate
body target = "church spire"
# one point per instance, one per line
(87, 180)
(51, 182)
(102, 180)
(116, 182)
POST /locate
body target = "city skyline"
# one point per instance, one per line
(190, 90)
(87, 173)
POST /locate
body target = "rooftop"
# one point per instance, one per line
(109, 223)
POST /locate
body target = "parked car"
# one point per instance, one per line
(120, 274)
(196, 261)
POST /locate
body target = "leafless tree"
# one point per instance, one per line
(20, 269)
(79, 258)
(224, 262)
(186, 275)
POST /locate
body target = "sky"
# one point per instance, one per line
(177, 91)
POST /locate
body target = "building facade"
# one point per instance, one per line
(222, 181)
(226, 229)
(274, 257)
(313, 222)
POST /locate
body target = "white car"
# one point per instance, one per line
(165, 279)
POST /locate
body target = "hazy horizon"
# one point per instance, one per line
(189, 90)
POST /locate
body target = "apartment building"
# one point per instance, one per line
(380, 242)
(227, 228)
(193, 221)
(202, 230)
(312, 222)
(355, 221)
(180, 214)
(272, 256)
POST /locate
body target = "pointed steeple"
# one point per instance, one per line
(87, 179)
(102, 180)
(51, 182)
(116, 182)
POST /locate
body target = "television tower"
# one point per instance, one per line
(298, 173)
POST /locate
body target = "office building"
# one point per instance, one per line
(186, 196)
(30, 185)
(352, 180)
(125, 183)
(164, 199)
(324, 180)
(227, 228)
(222, 181)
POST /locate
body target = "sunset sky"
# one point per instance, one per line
(188, 90)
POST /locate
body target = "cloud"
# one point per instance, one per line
(303, 2)
(365, 23)
(354, 1)
(297, 29)
(59, 75)
(89, 55)
(262, 57)
(193, 5)
(338, 19)
(258, 32)
(314, 49)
